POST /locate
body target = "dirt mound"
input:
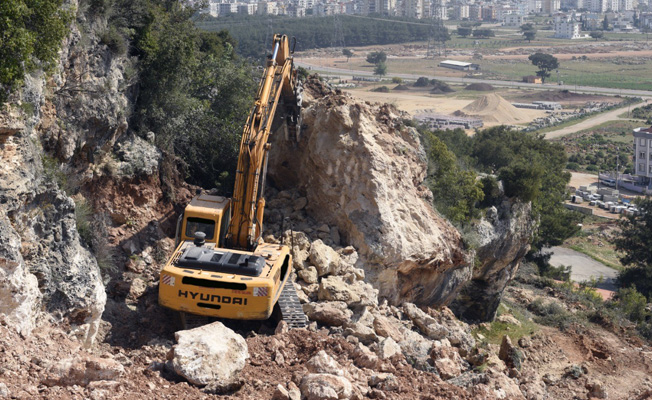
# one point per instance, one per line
(480, 87)
(401, 87)
(494, 108)
(557, 95)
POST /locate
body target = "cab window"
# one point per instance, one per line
(194, 225)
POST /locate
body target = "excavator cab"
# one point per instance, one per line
(205, 213)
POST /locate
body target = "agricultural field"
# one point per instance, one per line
(583, 62)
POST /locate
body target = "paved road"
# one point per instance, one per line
(583, 267)
(314, 65)
(588, 123)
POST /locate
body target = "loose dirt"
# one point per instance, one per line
(494, 108)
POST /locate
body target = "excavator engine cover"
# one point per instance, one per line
(221, 261)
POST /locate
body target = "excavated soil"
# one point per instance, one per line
(494, 108)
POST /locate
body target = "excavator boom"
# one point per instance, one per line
(278, 85)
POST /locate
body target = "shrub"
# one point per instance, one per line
(382, 89)
(422, 82)
(114, 40)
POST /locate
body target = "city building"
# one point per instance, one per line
(513, 20)
(566, 27)
(459, 65)
(461, 12)
(643, 152)
(550, 6)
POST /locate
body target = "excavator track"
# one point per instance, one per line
(291, 309)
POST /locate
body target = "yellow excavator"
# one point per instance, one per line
(221, 267)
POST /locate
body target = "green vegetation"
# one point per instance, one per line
(455, 190)
(251, 32)
(194, 93)
(545, 63)
(380, 69)
(483, 33)
(601, 148)
(376, 57)
(644, 112)
(530, 168)
(635, 241)
(31, 32)
(529, 31)
(497, 329)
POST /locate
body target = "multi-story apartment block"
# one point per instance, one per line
(461, 11)
(550, 6)
(534, 6)
(247, 8)
(475, 12)
(488, 13)
(643, 152)
(513, 20)
(598, 6)
(413, 8)
(228, 8)
(567, 27)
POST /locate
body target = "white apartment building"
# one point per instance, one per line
(534, 6)
(598, 6)
(566, 27)
(643, 152)
(513, 20)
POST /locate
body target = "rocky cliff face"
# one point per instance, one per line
(504, 238)
(76, 117)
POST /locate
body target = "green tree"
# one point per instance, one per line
(194, 93)
(376, 57)
(455, 191)
(422, 82)
(380, 69)
(347, 53)
(605, 23)
(31, 32)
(484, 33)
(464, 31)
(635, 241)
(528, 31)
(532, 169)
(596, 35)
(545, 63)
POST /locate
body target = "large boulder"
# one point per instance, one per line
(210, 355)
(331, 313)
(362, 172)
(504, 235)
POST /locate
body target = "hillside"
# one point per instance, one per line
(100, 157)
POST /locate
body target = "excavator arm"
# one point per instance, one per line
(278, 85)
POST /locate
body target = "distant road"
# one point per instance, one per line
(583, 267)
(587, 123)
(579, 89)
